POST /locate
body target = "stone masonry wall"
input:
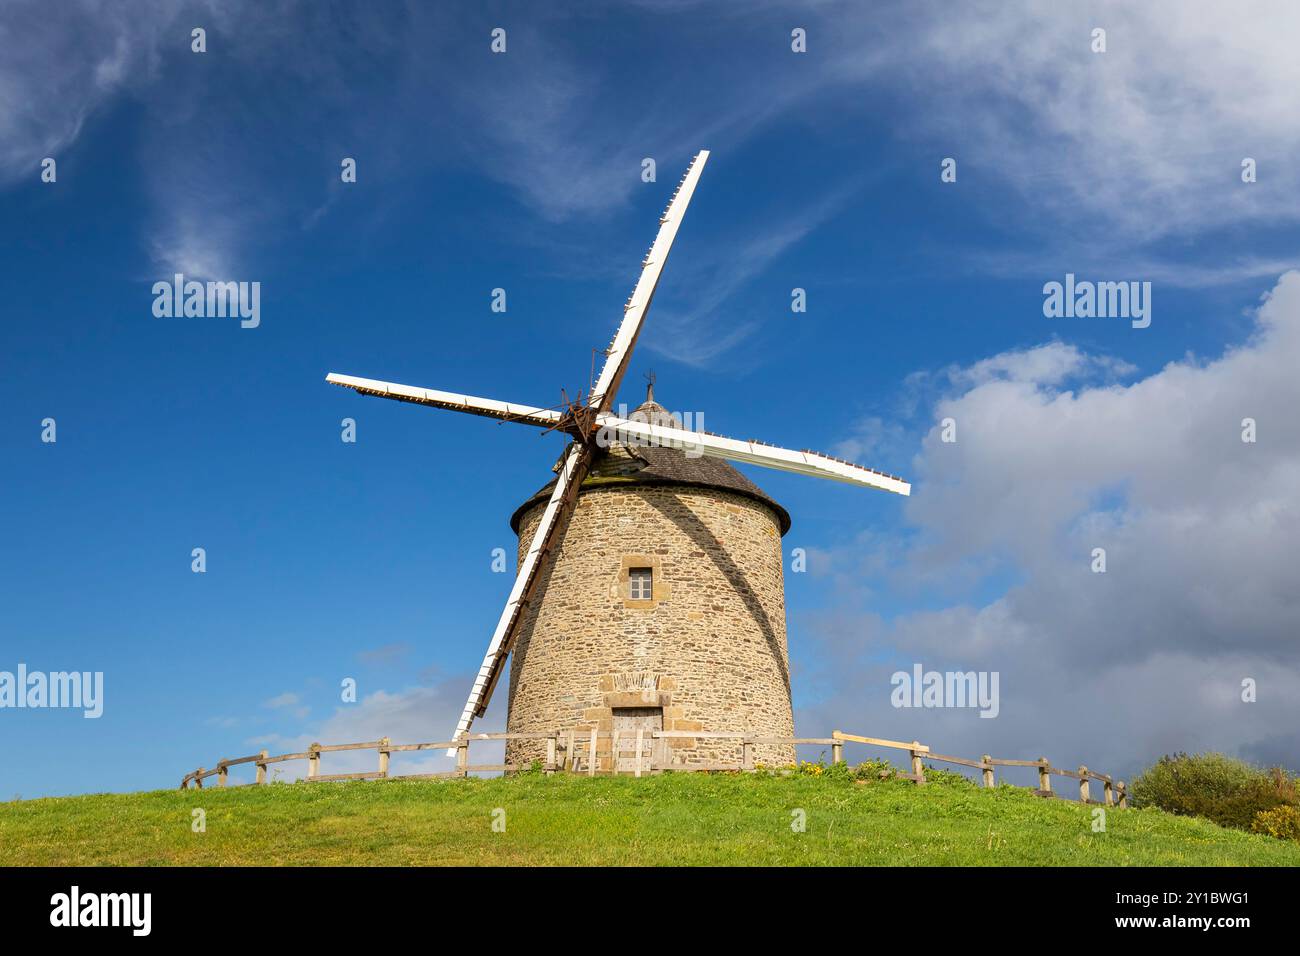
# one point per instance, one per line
(709, 647)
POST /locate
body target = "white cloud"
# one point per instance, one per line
(1114, 261)
(385, 654)
(419, 714)
(697, 334)
(1200, 532)
(197, 245)
(57, 70)
(1136, 143)
(1149, 134)
(1044, 365)
(1140, 142)
(288, 702)
(869, 435)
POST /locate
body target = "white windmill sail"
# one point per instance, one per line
(577, 458)
(487, 407)
(652, 267)
(574, 469)
(751, 452)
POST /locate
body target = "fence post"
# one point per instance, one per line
(640, 743)
(221, 774)
(1108, 793)
(1044, 775)
(383, 756)
(313, 761)
(988, 770)
(917, 770)
(571, 753)
(591, 760)
(1083, 784)
(837, 752)
(550, 755)
(747, 753)
(261, 768)
(198, 778)
(462, 756)
(1123, 795)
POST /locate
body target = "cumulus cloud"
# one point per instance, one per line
(1199, 530)
(1044, 365)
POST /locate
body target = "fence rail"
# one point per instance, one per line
(579, 751)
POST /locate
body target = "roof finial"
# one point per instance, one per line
(649, 387)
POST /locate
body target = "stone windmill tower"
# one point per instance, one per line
(649, 584)
(663, 607)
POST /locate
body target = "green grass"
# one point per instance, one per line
(680, 819)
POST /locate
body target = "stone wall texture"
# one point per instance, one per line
(709, 647)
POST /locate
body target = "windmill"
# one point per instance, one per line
(590, 424)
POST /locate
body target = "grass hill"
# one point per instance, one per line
(679, 819)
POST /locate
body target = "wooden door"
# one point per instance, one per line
(627, 721)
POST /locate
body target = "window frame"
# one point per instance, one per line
(640, 576)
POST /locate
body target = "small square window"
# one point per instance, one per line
(640, 584)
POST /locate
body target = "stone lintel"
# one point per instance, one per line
(641, 698)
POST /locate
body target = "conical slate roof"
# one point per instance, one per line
(647, 465)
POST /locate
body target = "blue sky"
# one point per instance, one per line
(522, 171)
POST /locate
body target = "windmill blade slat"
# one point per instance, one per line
(470, 404)
(754, 453)
(576, 462)
(652, 267)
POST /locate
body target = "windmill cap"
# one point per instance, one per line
(623, 465)
(652, 413)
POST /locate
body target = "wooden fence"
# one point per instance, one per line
(578, 751)
(1115, 793)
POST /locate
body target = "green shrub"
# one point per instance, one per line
(1240, 810)
(1230, 792)
(874, 770)
(950, 778)
(839, 771)
(1282, 822)
(810, 768)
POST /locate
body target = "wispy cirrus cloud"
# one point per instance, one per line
(386, 654)
(289, 702)
(58, 70)
(1086, 260)
(696, 334)
(1148, 135)
(1137, 143)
